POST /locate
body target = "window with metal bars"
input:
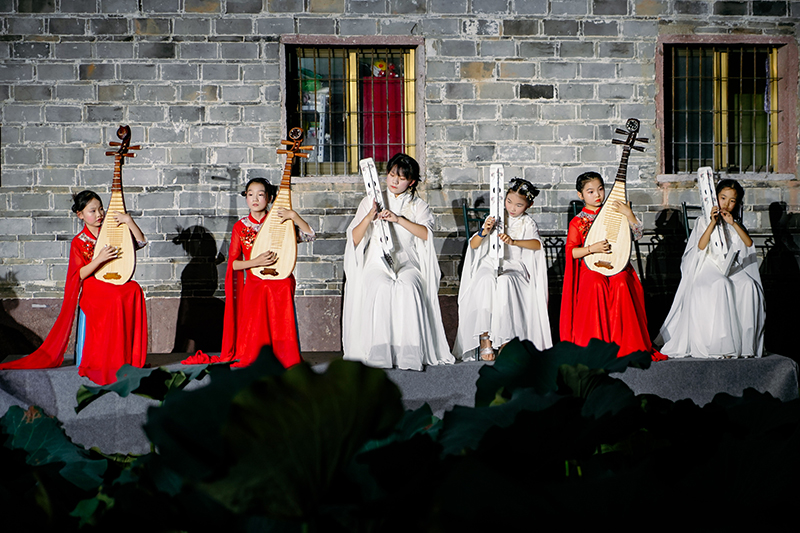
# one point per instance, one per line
(721, 107)
(353, 103)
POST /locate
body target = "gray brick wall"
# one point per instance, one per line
(537, 85)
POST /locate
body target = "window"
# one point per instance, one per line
(725, 104)
(723, 108)
(353, 103)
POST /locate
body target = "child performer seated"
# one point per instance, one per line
(595, 306)
(492, 308)
(116, 316)
(713, 314)
(391, 312)
(259, 312)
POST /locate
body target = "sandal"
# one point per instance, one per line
(487, 352)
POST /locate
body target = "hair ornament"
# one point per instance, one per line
(524, 188)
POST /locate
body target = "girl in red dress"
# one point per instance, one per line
(116, 317)
(259, 312)
(595, 306)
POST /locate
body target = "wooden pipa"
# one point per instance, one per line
(497, 210)
(609, 224)
(119, 270)
(275, 236)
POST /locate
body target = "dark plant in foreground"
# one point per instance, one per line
(553, 441)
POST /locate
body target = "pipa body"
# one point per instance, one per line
(611, 225)
(274, 235)
(120, 270)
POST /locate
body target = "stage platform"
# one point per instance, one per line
(114, 424)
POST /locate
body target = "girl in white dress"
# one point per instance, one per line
(714, 315)
(493, 309)
(391, 312)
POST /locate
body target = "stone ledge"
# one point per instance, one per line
(755, 176)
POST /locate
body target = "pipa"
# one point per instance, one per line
(611, 225)
(120, 269)
(274, 235)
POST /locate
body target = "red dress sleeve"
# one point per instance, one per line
(234, 285)
(51, 353)
(571, 277)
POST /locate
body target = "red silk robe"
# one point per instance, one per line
(116, 322)
(594, 306)
(257, 312)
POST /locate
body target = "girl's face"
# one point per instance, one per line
(257, 199)
(92, 215)
(516, 204)
(397, 184)
(593, 193)
(727, 199)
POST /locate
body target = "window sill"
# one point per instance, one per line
(750, 176)
(328, 179)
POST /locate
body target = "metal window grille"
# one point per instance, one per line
(722, 107)
(352, 103)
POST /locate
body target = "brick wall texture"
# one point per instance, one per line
(536, 85)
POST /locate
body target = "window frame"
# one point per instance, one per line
(417, 44)
(786, 163)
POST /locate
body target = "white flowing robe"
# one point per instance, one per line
(511, 305)
(714, 315)
(391, 316)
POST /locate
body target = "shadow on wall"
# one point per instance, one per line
(481, 202)
(780, 272)
(15, 339)
(662, 274)
(200, 314)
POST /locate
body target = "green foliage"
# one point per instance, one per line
(553, 440)
(153, 383)
(283, 439)
(44, 441)
(521, 365)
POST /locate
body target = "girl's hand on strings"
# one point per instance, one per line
(714, 215)
(286, 214)
(388, 216)
(107, 253)
(599, 247)
(622, 207)
(506, 239)
(373, 213)
(266, 259)
(120, 218)
(488, 225)
(726, 216)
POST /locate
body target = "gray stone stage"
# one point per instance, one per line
(114, 424)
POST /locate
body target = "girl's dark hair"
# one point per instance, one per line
(80, 200)
(271, 190)
(406, 167)
(524, 188)
(733, 184)
(585, 178)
